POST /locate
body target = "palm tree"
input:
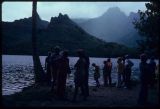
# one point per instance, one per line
(38, 70)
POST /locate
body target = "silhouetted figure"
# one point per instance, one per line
(152, 66)
(48, 68)
(144, 80)
(55, 62)
(87, 72)
(63, 70)
(79, 76)
(96, 74)
(108, 71)
(104, 73)
(120, 71)
(128, 70)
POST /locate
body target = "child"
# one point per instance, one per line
(96, 74)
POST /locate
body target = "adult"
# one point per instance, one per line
(79, 76)
(120, 71)
(108, 71)
(63, 70)
(104, 73)
(144, 80)
(55, 62)
(152, 66)
(86, 72)
(128, 70)
(48, 68)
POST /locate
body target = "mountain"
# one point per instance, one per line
(60, 31)
(113, 26)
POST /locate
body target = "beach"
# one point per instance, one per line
(40, 96)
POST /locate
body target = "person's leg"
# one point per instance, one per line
(75, 93)
(110, 79)
(119, 80)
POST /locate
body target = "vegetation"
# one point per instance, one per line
(148, 27)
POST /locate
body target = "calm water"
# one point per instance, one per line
(17, 71)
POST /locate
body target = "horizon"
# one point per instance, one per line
(94, 10)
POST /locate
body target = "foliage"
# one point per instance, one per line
(148, 27)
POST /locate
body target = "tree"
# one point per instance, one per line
(148, 27)
(38, 70)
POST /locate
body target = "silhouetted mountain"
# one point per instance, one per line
(112, 26)
(60, 31)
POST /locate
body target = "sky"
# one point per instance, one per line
(17, 10)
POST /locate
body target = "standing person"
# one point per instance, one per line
(55, 62)
(96, 74)
(144, 80)
(152, 66)
(48, 68)
(108, 71)
(104, 73)
(86, 72)
(79, 76)
(120, 71)
(128, 70)
(63, 70)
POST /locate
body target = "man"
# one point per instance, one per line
(48, 68)
(55, 62)
(79, 76)
(144, 80)
(128, 70)
(87, 72)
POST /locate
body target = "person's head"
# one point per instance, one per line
(152, 58)
(104, 62)
(57, 49)
(108, 60)
(119, 60)
(127, 56)
(80, 52)
(93, 64)
(143, 57)
(49, 53)
(65, 53)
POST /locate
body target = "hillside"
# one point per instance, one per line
(113, 26)
(60, 31)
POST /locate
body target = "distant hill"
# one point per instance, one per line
(60, 31)
(113, 26)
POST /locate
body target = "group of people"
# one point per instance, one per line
(124, 65)
(57, 66)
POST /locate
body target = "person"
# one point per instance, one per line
(55, 61)
(86, 72)
(48, 68)
(120, 71)
(96, 74)
(152, 66)
(128, 70)
(144, 79)
(108, 71)
(63, 70)
(104, 73)
(79, 76)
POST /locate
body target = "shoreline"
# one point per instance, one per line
(40, 96)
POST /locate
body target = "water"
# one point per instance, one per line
(17, 71)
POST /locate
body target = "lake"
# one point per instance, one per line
(17, 71)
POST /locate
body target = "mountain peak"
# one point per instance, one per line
(114, 9)
(61, 19)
